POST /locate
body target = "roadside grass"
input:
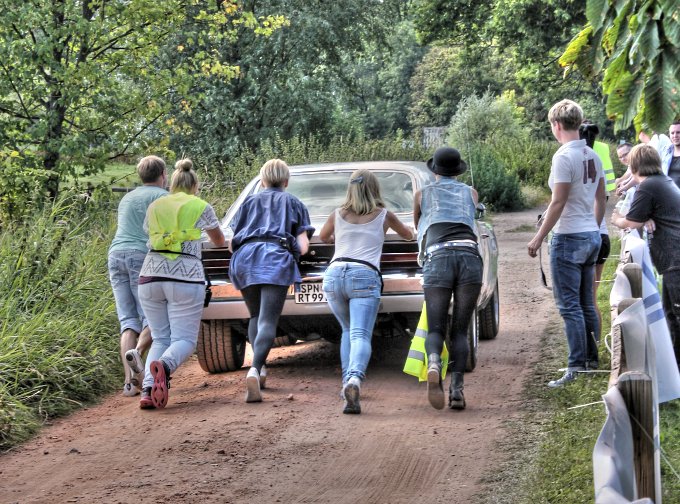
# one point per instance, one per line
(550, 447)
(58, 337)
(114, 175)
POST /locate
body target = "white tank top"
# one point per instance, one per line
(360, 241)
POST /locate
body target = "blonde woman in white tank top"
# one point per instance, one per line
(352, 282)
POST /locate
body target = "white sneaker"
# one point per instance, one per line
(263, 376)
(253, 386)
(352, 390)
(130, 390)
(134, 360)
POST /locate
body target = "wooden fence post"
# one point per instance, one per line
(636, 390)
(618, 356)
(633, 272)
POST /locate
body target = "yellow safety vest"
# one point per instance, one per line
(416, 361)
(172, 220)
(602, 150)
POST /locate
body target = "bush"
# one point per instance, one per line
(486, 119)
(22, 186)
(529, 159)
(497, 188)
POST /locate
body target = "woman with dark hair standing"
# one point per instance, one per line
(352, 282)
(271, 231)
(172, 281)
(444, 212)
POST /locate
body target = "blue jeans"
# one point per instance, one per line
(124, 267)
(174, 311)
(353, 293)
(572, 264)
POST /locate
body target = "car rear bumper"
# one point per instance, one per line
(401, 294)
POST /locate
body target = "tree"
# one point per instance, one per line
(634, 47)
(82, 81)
(304, 79)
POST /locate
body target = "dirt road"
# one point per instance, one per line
(209, 446)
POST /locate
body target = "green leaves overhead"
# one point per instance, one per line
(637, 42)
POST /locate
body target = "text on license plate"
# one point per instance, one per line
(309, 293)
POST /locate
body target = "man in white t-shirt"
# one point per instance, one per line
(574, 215)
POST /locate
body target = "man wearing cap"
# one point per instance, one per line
(574, 215)
(444, 213)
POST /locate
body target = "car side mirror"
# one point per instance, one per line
(480, 211)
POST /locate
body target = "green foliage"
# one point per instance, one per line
(448, 74)
(636, 45)
(58, 342)
(22, 186)
(82, 81)
(485, 118)
(299, 81)
(497, 188)
(528, 158)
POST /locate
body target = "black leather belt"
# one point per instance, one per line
(278, 241)
(453, 244)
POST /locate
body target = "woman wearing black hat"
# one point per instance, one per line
(444, 213)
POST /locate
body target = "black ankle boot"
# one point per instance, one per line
(456, 397)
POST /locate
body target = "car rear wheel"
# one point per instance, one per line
(220, 348)
(489, 317)
(473, 343)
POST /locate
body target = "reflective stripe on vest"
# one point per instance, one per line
(602, 150)
(172, 220)
(416, 361)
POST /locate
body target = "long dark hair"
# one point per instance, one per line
(588, 132)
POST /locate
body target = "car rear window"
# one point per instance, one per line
(325, 191)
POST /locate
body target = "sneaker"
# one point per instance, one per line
(263, 376)
(253, 386)
(569, 376)
(130, 390)
(134, 361)
(145, 401)
(352, 392)
(435, 391)
(161, 383)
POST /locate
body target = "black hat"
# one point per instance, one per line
(447, 162)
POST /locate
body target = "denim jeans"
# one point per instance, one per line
(124, 267)
(353, 293)
(572, 264)
(174, 311)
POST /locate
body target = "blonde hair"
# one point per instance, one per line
(568, 113)
(644, 160)
(275, 173)
(363, 193)
(184, 178)
(150, 169)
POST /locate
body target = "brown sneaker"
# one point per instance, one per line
(435, 391)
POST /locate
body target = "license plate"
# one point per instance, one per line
(309, 293)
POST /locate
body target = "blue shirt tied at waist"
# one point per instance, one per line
(261, 220)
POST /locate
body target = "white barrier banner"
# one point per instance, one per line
(620, 290)
(667, 376)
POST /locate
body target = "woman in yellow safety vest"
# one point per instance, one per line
(172, 281)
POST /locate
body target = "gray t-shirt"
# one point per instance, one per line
(674, 170)
(130, 233)
(577, 164)
(658, 198)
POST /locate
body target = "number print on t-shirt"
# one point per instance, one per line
(589, 171)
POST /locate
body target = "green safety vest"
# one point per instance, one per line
(416, 361)
(172, 220)
(602, 150)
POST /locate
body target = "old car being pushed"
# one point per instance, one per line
(306, 314)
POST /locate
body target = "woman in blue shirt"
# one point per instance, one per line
(271, 231)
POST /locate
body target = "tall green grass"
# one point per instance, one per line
(58, 327)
